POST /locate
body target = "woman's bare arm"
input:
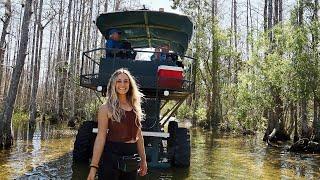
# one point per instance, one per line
(140, 146)
(142, 154)
(99, 143)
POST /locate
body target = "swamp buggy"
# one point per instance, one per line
(160, 82)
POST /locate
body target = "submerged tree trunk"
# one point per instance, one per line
(276, 128)
(271, 129)
(7, 139)
(316, 119)
(315, 44)
(279, 111)
(304, 100)
(6, 22)
(294, 120)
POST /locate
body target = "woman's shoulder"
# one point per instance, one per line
(104, 109)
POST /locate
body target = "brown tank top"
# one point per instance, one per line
(126, 130)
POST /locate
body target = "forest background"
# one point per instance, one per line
(257, 67)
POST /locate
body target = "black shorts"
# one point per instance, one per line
(108, 167)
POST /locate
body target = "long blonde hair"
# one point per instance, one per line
(134, 96)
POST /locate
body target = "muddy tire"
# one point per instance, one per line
(172, 128)
(181, 149)
(83, 145)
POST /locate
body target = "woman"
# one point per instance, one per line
(119, 129)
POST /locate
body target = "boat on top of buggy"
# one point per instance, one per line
(161, 81)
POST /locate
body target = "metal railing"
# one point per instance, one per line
(91, 61)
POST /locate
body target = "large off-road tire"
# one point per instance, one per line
(181, 148)
(83, 145)
(172, 128)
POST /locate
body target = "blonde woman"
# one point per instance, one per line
(119, 131)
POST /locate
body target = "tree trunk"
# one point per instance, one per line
(117, 5)
(316, 119)
(51, 81)
(231, 23)
(215, 103)
(270, 25)
(248, 33)
(235, 25)
(72, 68)
(7, 139)
(277, 119)
(106, 3)
(304, 100)
(251, 26)
(81, 27)
(279, 112)
(316, 100)
(60, 69)
(269, 112)
(276, 127)
(36, 70)
(6, 22)
(295, 118)
(5, 74)
(195, 98)
(33, 55)
(236, 59)
(304, 119)
(48, 71)
(300, 12)
(280, 11)
(67, 58)
(276, 12)
(265, 16)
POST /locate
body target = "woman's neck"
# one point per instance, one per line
(122, 99)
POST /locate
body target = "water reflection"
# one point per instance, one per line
(33, 154)
(213, 156)
(248, 158)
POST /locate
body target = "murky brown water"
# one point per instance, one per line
(213, 157)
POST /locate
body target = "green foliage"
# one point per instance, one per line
(287, 66)
(19, 117)
(201, 114)
(91, 110)
(184, 112)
